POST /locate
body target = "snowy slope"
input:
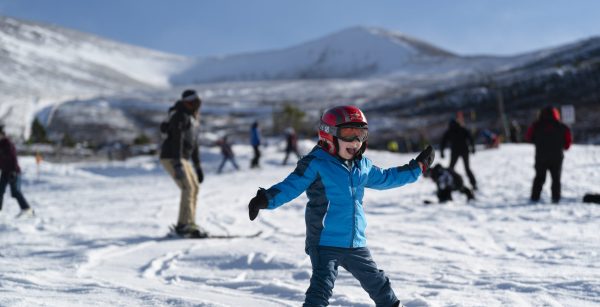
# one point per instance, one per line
(42, 64)
(98, 238)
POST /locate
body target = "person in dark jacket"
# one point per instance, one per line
(334, 175)
(447, 181)
(227, 153)
(181, 145)
(291, 144)
(461, 142)
(255, 142)
(11, 174)
(550, 137)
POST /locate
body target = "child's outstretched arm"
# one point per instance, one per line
(291, 187)
(401, 175)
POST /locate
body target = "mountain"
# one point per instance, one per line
(44, 64)
(352, 53)
(564, 75)
(85, 83)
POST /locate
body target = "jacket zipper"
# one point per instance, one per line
(353, 206)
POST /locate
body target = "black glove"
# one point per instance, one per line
(200, 174)
(426, 157)
(12, 177)
(259, 201)
(178, 167)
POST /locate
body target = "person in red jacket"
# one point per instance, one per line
(11, 174)
(550, 137)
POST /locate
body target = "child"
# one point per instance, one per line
(334, 175)
(447, 180)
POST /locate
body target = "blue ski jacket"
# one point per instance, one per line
(334, 214)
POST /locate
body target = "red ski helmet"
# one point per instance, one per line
(339, 117)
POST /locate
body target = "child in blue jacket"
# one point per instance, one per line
(334, 175)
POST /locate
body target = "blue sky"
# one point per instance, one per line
(217, 27)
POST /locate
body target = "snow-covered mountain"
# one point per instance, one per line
(351, 53)
(43, 64)
(386, 72)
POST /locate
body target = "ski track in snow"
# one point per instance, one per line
(99, 239)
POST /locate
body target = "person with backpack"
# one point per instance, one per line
(334, 175)
(181, 145)
(550, 137)
(11, 175)
(461, 142)
(447, 181)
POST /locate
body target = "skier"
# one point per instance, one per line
(255, 142)
(180, 145)
(11, 174)
(334, 175)
(291, 144)
(227, 153)
(447, 180)
(550, 137)
(460, 141)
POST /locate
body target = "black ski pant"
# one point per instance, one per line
(225, 159)
(256, 159)
(15, 189)
(287, 155)
(445, 195)
(541, 167)
(465, 157)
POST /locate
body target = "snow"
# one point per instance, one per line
(98, 238)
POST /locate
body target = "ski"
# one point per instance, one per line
(232, 236)
(173, 235)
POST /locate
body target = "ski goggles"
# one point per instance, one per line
(351, 134)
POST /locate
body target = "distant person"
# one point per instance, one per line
(515, 131)
(334, 176)
(550, 137)
(11, 175)
(490, 138)
(226, 153)
(392, 146)
(447, 181)
(291, 144)
(178, 148)
(255, 142)
(460, 142)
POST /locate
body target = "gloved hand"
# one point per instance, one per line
(200, 174)
(259, 201)
(426, 157)
(178, 167)
(12, 176)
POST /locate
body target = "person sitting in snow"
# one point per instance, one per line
(11, 174)
(180, 145)
(334, 175)
(447, 180)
